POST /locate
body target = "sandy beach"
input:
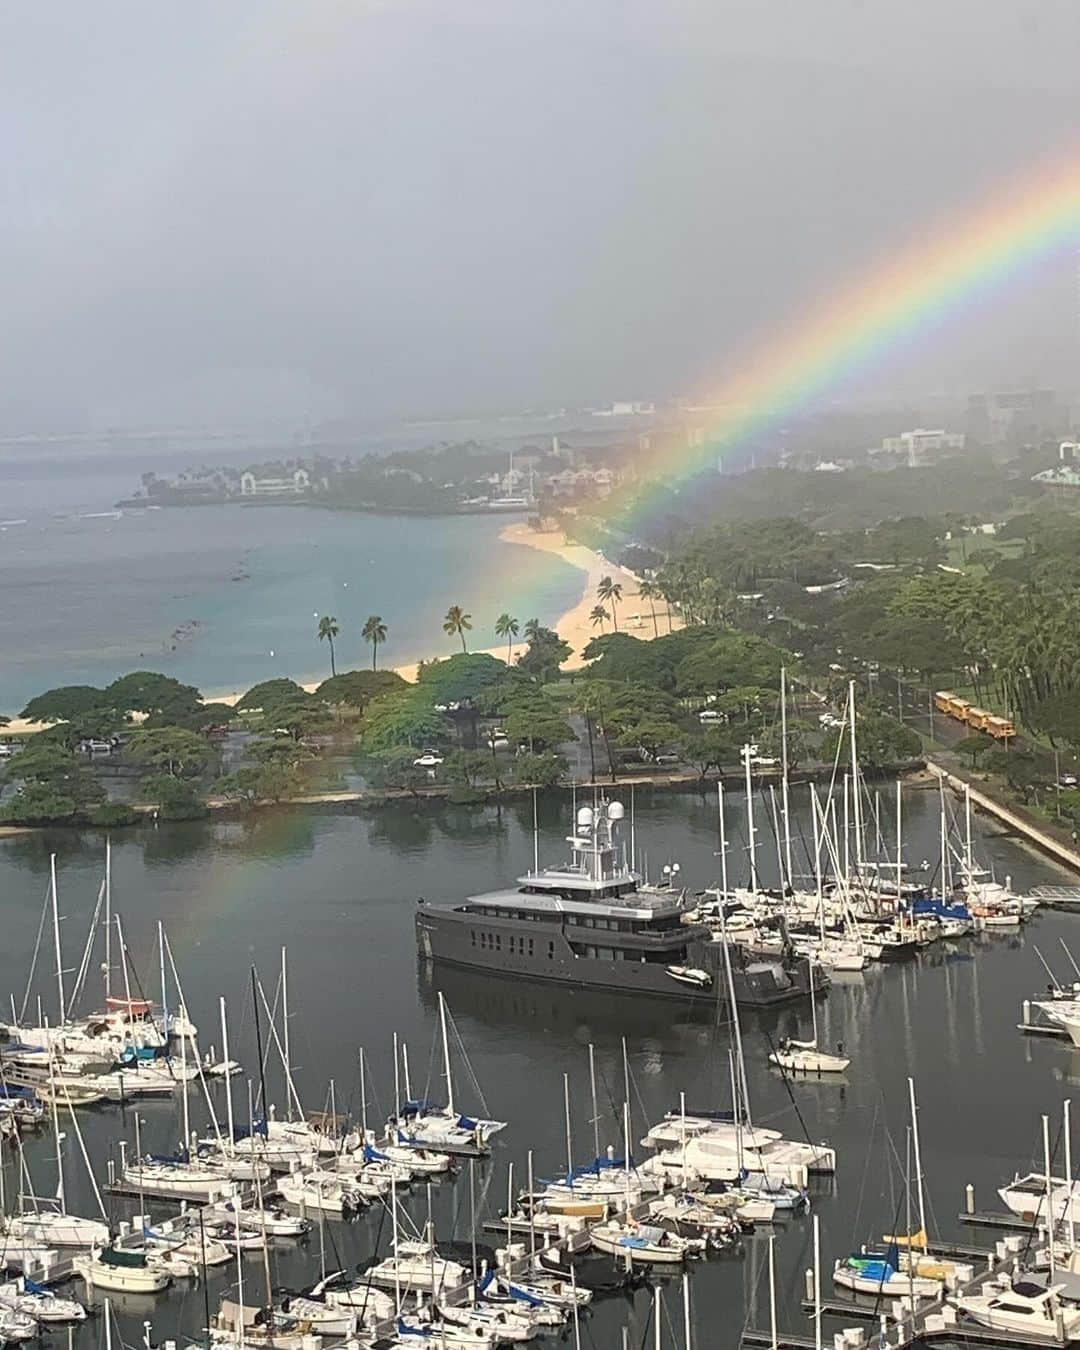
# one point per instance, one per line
(574, 627)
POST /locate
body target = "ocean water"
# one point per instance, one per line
(223, 597)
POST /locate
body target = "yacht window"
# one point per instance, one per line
(605, 953)
(530, 946)
(1014, 1307)
(551, 951)
(472, 934)
(498, 942)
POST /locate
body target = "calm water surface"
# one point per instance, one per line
(340, 892)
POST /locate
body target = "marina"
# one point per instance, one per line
(521, 1038)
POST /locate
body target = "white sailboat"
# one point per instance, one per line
(804, 1056)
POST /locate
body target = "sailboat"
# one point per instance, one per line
(804, 1056)
(423, 1124)
(52, 1225)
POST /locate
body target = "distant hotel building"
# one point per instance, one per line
(253, 485)
(921, 446)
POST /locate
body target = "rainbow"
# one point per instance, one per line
(906, 294)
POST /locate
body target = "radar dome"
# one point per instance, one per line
(585, 816)
(616, 811)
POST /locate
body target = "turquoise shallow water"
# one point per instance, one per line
(223, 597)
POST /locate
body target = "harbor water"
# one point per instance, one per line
(340, 891)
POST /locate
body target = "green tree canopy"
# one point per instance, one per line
(882, 741)
(393, 769)
(544, 654)
(170, 751)
(407, 718)
(356, 688)
(65, 702)
(544, 770)
(460, 678)
(146, 691)
(262, 696)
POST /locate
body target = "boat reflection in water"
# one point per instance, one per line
(594, 924)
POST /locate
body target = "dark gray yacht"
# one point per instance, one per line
(593, 923)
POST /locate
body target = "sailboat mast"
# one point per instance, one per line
(569, 1140)
(899, 840)
(228, 1075)
(186, 1112)
(595, 1114)
(164, 991)
(784, 801)
(446, 1056)
(750, 831)
(856, 796)
(56, 939)
(285, 1034)
(108, 916)
(1049, 1196)
(918, 1163)
(60, 1195)
(733, 1005)
(363, 1100)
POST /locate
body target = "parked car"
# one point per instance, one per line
(428, 760)
(709, 716)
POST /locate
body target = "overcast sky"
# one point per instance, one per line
(216, 210)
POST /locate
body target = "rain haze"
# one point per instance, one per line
(386, 209)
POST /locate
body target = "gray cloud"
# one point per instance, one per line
(222, 210)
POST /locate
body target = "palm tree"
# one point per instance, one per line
(532, 629)
(374, 631)
(609, 590)
(598, 616)
(328, 628)
(649, 590)
(506, 626)
(458, 623)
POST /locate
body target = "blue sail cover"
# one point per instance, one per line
(523, 1296)
(246, 1131)
(466, 1123)
(373, 1154)
(595, 1167)
(170, 1159)
(417, 1107)
(14, 1092)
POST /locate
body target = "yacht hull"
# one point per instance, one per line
(535, 951)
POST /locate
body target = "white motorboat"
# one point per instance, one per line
(643, 1244)
(1027, 1309)
(122, 1271)
(325, 1191)
(417, 1265)
(1025, 1196)
(699, 979)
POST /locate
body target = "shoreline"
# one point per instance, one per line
(573, 625)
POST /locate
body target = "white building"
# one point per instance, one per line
(251, 486)
(922, 446)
